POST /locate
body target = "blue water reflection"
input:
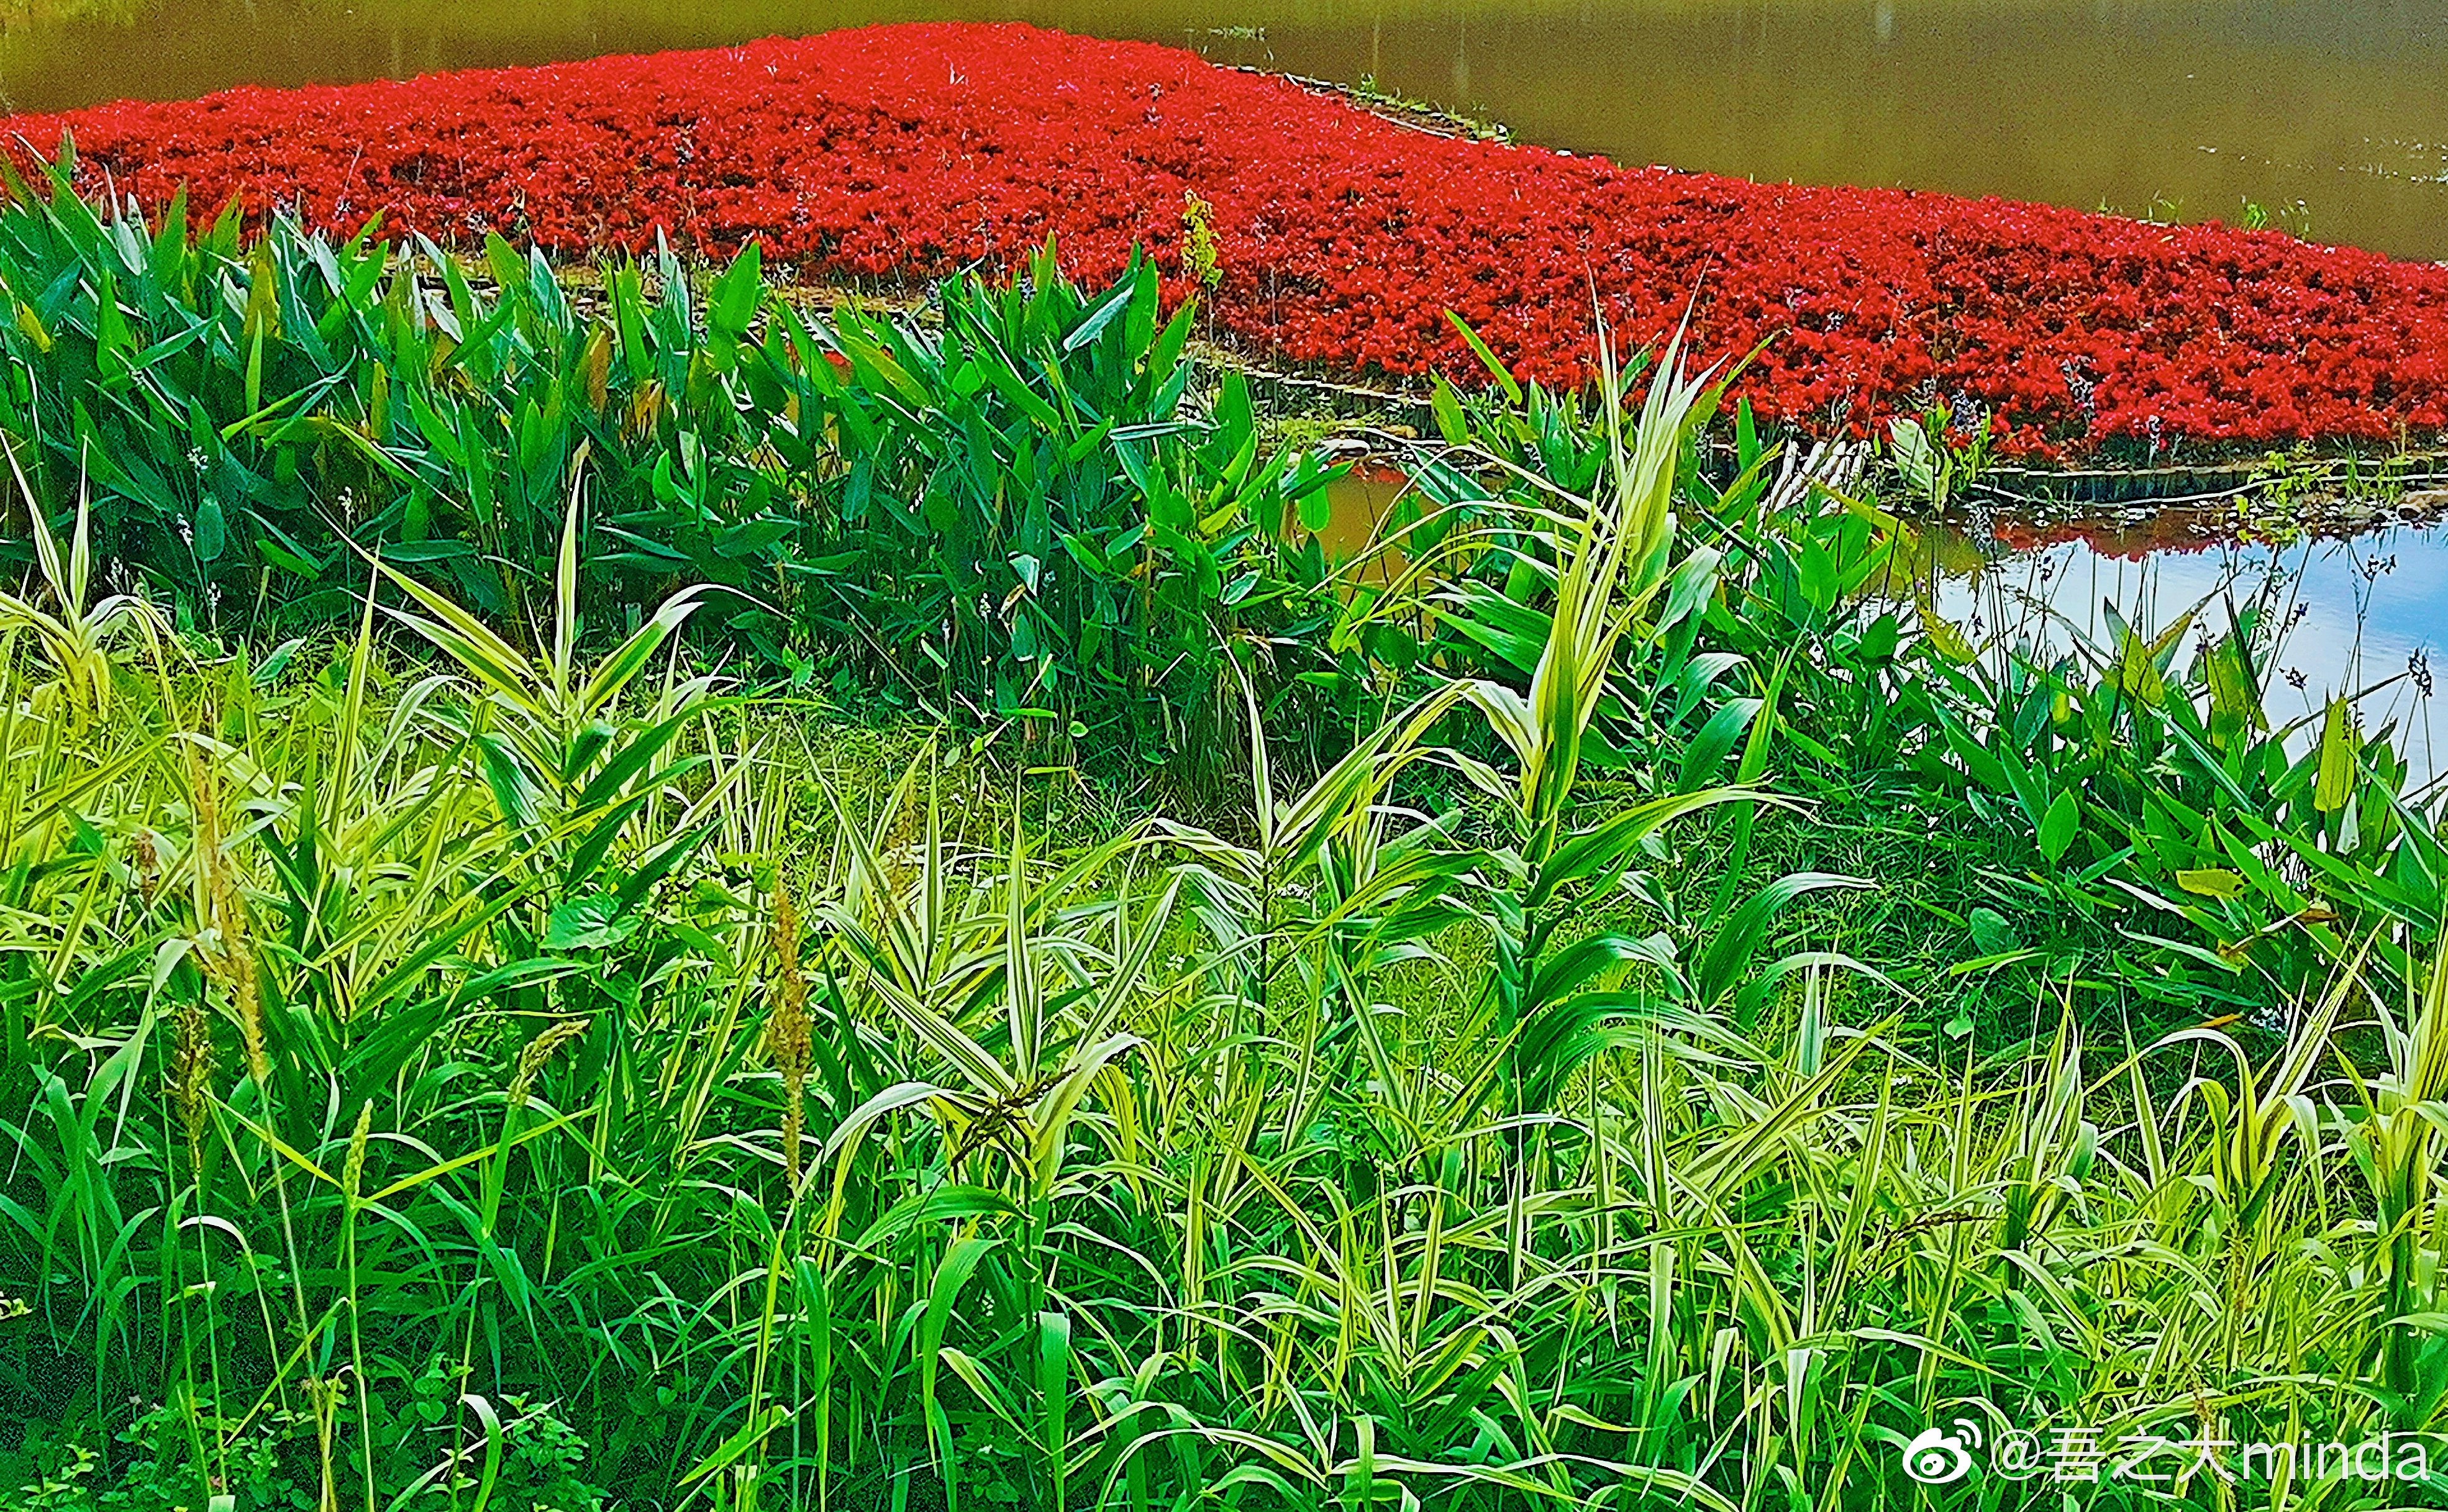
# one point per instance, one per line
(2365, 616)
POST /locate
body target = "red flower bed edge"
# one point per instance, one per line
(1341, 239)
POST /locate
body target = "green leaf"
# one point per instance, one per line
(212, 530)
(1447, 407)
(1099, 316)
(959, 1261)
(509, 269)
(1717, 741)
(1991, 932)
(1052, 1393)
(1729, 955)
(2060, 825)
(1502, 374)
(1315, 508)
(1917, 459)
(1597, 854)
(952, 1203)
(267, 672)
(591, 922)
(514, 792)
(738, 293)
(2334, 783)
(2235, 696)
(750, 1434)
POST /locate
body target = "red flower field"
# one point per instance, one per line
(912, 151)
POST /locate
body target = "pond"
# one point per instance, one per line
(2366, 616)
(2329, 114)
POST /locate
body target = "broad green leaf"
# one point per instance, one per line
(2060, 825)
(2335, 781)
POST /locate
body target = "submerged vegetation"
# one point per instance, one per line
(583, 925)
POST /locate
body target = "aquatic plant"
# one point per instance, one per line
(1017, 511)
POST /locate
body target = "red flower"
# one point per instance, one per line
(914, 151)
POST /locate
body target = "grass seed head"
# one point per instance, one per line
(191, 1075)
(146, 863)
(353, 1174)
(239, 962)
(788, 1036)
(539, 1052)
(220, 911)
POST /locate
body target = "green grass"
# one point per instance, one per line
(1270, 1244)
(1669, 1021)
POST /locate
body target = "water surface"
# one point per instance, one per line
(2366, 618)
(2330, 114)
(2363, 617)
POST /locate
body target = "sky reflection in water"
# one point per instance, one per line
(2369, 613)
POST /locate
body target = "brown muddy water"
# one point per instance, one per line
(2330, 115)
